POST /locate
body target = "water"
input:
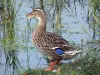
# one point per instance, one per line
(72, 24)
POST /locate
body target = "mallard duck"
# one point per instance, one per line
(50, 44)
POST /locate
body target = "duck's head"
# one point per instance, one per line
(36, 13)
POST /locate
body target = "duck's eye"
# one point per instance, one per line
(34, 10)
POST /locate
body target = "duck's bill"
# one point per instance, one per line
(29, 15)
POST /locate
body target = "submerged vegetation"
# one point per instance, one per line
(89, 63)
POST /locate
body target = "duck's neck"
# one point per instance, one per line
(41, 25)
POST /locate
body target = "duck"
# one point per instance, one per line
(51, 45)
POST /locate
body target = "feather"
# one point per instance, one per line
(72, 52)
(59, 51)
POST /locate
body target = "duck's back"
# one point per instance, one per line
(47, 42)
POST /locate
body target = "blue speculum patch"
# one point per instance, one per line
(59, 51)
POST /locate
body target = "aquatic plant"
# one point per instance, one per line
(8, 42)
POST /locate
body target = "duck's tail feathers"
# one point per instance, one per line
(73, 52)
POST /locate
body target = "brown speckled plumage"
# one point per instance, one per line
(45, 41)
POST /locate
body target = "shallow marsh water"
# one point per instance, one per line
(72, 30)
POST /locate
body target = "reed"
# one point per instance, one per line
(9, 44)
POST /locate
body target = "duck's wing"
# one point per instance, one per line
(53, 41)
